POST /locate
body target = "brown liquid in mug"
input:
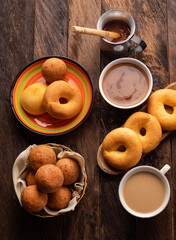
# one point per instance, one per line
(119, 27)
(125, 84)
(144, 192)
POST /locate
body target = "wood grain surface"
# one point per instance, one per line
(36, 28)
(171, 12)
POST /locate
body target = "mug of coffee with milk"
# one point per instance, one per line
(144, 191)
(123, 23)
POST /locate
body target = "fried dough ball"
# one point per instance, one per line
(32, 199)
(59, 199)
(32, 98)
(54, 69)
(70, 169)
(49, 178)
(41, 155)
(30, 178)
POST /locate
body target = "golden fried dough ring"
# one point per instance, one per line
(122, 159)
(147, 128)
(156, 107)
(58, 90)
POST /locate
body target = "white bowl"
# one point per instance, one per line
(134, 62)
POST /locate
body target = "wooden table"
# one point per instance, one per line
(36, 28)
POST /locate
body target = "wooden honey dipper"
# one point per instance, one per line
(96, 32)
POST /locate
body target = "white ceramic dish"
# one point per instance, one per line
(130, 61)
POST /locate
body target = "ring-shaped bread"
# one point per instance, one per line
(122, 159)
(62, 90)
(147, 128)
(156, 107)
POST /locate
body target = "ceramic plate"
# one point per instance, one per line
(45, 124)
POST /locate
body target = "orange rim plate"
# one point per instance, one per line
(45, 124)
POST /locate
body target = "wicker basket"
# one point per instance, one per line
(20, 169)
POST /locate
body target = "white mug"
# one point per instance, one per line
(124, 48)
(158, 173)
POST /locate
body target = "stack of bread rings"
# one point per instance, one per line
(58, 98)
(142, 132)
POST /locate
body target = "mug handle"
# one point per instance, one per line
(140, 42)
(164, 169)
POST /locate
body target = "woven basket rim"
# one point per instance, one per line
(84, 187)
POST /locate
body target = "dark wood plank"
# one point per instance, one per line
(16, 26)
(171, 11)
(156, 58)
(83, 223)
(50, 28)
(152, 15)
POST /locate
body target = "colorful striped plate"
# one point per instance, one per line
(45, 124)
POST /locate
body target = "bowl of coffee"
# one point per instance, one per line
(144, 191)
(125, 83)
